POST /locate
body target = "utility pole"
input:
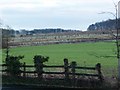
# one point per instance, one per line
(117, 36)
(7, 42)
(117, 39)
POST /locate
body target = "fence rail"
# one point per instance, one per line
(65, 70)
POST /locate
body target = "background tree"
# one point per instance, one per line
(104, 25)
(5, 38)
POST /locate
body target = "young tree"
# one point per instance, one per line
(38, 61)
(13, 65)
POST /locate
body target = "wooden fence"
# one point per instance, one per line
(69, 71)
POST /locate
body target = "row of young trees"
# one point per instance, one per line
(13, 64)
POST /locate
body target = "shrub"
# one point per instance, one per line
(38, 61)
(13, 65)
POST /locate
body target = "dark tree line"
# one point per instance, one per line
(44, 31)
(7, 33)
(104, 25)
(13, 32)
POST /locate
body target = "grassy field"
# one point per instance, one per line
(85, 54)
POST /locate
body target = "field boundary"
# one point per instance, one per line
(66, 71)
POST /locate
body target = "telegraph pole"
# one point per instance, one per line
(117, 39)
(7, 42)
(117, 12)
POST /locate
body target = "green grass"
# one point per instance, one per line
(87, 54)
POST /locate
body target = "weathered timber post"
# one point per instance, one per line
(40, 70)
(66, 68)
(98, 68)
(24, 69)
(73, 65)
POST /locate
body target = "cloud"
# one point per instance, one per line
(53, 12)
(28, 4)
(48, 3)
(53, 5)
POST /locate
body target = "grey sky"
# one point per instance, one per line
(66, 14)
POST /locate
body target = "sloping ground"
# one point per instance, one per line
(26, 87)
(45, 39)
(23, 83)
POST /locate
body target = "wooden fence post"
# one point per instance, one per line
(40, 70)
(24, 69)
(73, 65)
(66, 69)
(98, 68)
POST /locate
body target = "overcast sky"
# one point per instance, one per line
(66, 14)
